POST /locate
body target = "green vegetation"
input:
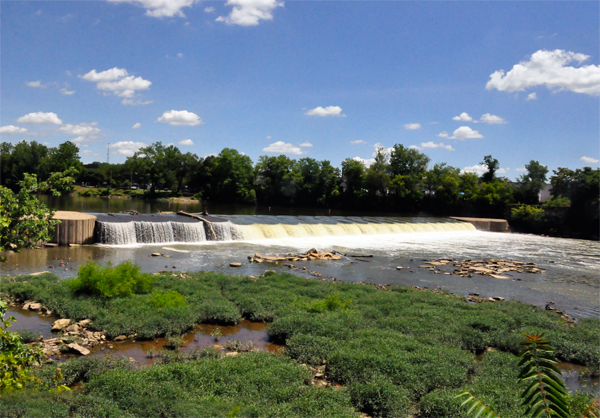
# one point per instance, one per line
(396, 353)
(123, 280)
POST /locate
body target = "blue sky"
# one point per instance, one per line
(328, 80)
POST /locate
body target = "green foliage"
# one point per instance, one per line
(16, 358)
(170, 299)
(527, 218)
(557, 202)
(333, 302)
(379, 397)
(29, 336)
(475, 406)
(492, 165)
(546, 393)
(125, 279)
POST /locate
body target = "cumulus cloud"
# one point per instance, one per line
(589, 160)
(412, 126)
(476, 169)
(366, 161)
(90, 153)
(36, 84)
(83, 129)
(249, 12)
(531, 96)
(11, 129)
(462, 133)
(186, 142)
(118, 81)
(209, 9)
(325, 111)
(549, 68)
(502, 170)
(431, 144)
(463, 117)
(180, 55)
(67, 92)
(41, 118)
(358, 141)
(127, 148)
(161, 8)
(306, 144)
(418, 148)
(108, 75)
(521, 169)
(137, 126)
(180, 118)
(281, 147)
(132, 102)
(492, 119)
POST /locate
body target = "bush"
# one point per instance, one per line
(28, 336)
(378, 397)
(109, 282)
(169, 299)
(527, 218)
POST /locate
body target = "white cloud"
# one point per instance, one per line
(161, 8)
(521, 169)
(180, 118)
(418, 148)
(118, 81)
(180, 55)
(11, 129)
(358, 141)
(209, 9)
(83, 129)
(549, 68)
(269, 137)
(325, 111)
(531, 96)
(366, 161)
(137, 126)
(306, 144)
(249, 12)
(431, 144)
(462, 133)
(463, 117)
(36, 84)
(132, 102)
(127, 148)
(476, 169)
(186, 142)
(281, 147)
(502, 170)
(67, 92)
(108, 75)
(492, 119)
(90, 153)
(412, 126)
(589, 160)
(41, 118)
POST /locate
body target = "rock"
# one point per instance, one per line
(78, 349)
(120, 338)
(85, 323)
(235, 264)
(156, 254)
(72, 328)
(38, 273)
(232, 354)
(496, 276)
(60, 324)
(399, 267)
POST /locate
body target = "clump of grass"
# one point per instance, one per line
(216, 333)
(28, 336)
(174, 342)
(169, 299)
(241, 346)
(125, 279)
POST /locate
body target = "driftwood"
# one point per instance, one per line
(491, 267)
(200, 218)
(311, 254)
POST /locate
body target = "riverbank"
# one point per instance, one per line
(381, 350)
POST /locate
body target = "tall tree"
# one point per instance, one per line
(492, 165)
(532, 183)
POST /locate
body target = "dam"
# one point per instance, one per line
(123, 229)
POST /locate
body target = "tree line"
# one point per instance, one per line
(401, 181)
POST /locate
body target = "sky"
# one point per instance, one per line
(323, 79)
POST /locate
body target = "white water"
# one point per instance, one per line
(253, 228)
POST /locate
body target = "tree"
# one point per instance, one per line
(328, 182)
(277, 183)
(492, 165)
(353, 179)
(531, 184)
(377, 180)
(59, 159)
(407, 161)
(443, 184)
(233, 177)
(151, 165)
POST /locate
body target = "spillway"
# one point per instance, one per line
(149, 229)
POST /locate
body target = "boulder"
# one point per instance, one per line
(235, 264)
(85, 323)
(78, 349)
(120, 338)
(156, 254)
(72, 328)
(60, 324)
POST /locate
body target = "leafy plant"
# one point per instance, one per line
(216, 333)
(171, 299)
(476, 406)
(546, 393)
(109, 282)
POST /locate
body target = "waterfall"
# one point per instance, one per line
(266, 227)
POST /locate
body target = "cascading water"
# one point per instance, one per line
(244, 227)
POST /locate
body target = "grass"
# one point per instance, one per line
(397, 353)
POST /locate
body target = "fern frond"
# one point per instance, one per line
(475, 405)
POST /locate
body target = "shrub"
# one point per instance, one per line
(28, 336)
(527, 218)
(123, 280)
(378, 397)
(169, 299)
